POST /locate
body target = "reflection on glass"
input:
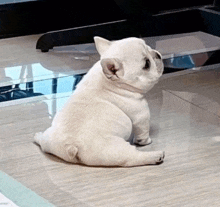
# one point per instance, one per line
(38, 88)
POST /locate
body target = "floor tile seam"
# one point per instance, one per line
(192, 103)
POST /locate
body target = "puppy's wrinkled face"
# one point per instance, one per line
(130, 61)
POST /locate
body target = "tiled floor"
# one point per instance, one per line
(185, 123)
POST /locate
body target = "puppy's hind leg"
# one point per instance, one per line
(65, 152)
(38, 138)
(145, 158)
(41, 140)
(46, 140)
(118, 152)
(134, 157)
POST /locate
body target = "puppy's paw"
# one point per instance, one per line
(37, 138)
(159, 157)
(142, 141)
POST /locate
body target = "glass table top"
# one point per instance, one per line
(26, 72)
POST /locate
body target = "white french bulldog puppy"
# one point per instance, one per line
(107, 106)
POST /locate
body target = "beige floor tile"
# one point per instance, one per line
(184, 123)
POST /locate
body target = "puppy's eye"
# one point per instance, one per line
(147, 64)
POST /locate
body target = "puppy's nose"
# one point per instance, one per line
(147, 64)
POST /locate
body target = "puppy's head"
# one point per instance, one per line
(130, 61)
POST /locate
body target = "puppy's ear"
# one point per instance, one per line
(101, 44)
(149, 48)
(112, 68)
(155, 54)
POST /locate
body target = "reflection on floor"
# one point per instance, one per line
(185, 123)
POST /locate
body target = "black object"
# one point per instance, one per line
(140, 18)
(17, 93)
(78, 78)
(5, 93)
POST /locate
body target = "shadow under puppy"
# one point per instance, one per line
(107, 106)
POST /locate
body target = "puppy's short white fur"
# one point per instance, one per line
(107, 106)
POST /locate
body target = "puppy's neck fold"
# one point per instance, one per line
(130, 88)
(121, 86)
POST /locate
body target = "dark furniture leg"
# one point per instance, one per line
(80, 35)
